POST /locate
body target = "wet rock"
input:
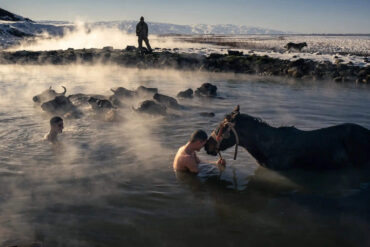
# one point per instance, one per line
(207, 89)
(338, 79)
(338, 61)
(188, 93)
(207, 114)
(166, 101)
(151, 107)
(130, 48)
(366, 60)
(294, 72)
(108, 48)
(234, 53)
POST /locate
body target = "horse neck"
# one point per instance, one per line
(255, 136)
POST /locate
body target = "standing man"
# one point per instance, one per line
(186, 158)
(142, 33)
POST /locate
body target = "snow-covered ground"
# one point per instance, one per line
(343, 49)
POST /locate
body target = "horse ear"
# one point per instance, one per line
(237, 109)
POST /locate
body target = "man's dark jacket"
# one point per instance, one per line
(142, 29)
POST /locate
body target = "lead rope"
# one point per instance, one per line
(236, 140)
(219, 136)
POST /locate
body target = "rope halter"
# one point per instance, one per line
(221, 135)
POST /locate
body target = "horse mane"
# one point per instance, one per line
(245, 117)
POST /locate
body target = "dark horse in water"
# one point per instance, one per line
(344, 145)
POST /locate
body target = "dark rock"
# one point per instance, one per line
(215, 55)
(130, 48)
(108, 48)
(207, 89)
(234, 53)
(186, 94)
(338, 61)
(338, 79)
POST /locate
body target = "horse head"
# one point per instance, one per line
(225, 135)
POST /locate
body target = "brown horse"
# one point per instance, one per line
(344, 145)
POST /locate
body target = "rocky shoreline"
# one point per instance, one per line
(234, 61)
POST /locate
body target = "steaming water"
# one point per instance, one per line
(112, 184)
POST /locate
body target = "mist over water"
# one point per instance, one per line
(113, 183)
(86, 36)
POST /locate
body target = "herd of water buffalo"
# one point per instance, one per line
(107, 106)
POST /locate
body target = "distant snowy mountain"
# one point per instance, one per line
(8, 16)
(166, 28)
(14, 28)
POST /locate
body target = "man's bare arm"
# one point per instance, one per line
(191, 164)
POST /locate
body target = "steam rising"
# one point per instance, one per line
(87, 36)
(119, 175)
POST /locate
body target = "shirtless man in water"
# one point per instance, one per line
(56, 127)
(186, 158)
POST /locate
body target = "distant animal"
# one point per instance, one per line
(47, 95)
(339, 146)
(296, 46)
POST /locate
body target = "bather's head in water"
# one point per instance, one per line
(56, 127)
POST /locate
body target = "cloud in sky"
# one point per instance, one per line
(314, 16)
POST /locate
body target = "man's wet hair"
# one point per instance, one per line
(198, 135)
(55, 120)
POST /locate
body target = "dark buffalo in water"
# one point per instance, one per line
(80, 99)
(122, 92)
(166, 101)
(151, 107)
(186, 94)
(61, 105)
(146, 91)
(100, 104)
(47, 95)
(207, 90)
(339, 146)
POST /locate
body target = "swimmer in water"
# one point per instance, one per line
(56, 127)
(186, 158)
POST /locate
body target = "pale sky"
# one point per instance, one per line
(303, 16)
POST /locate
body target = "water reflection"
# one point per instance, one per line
(113, 183)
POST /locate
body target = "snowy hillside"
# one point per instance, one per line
(166, 28)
